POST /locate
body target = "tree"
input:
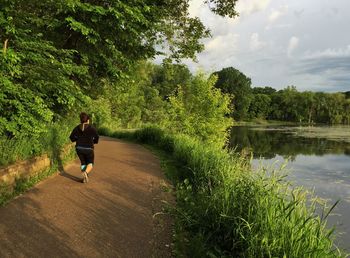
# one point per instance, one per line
(263, 90)
(335, 107)
(347, 94)
(223, 7)
(200, 110)
(259, 106)
(311, 107)
(167, 77)
(346, 118)
(234, 82)
(308, 105)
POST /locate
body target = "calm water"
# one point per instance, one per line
(316, 163)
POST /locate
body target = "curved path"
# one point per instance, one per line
(111, 216)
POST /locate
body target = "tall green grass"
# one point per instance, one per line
(24, 147)
(228, 210)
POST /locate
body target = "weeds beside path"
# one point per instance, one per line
(111, 216)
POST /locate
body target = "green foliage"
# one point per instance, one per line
(22, 112)
(195, 106)
(259, 106)
(100, 111)
(109, 36)
(133, 101)
(167, 77)
(128, 102)
(200, 110)
(153, 106)
(347, 94)
(232, 81)
(309, 107)
(263, 90)
(346, 114)
(228, 210)
(56, 54)
(285, 105)
(21, 147)
(40, 66)
(223, 7)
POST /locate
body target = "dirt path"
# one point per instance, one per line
(111, 216)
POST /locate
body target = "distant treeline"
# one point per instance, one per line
(285, 105)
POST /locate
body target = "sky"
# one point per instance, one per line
(305, 43)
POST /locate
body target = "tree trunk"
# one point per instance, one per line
(5, 46)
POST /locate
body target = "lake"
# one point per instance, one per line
(318, 159)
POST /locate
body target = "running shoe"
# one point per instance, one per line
(85, 177)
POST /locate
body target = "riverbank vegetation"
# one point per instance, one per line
(225, 209)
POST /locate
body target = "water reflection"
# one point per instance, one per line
(267, 142)
(319, 164)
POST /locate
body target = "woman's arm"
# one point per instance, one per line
(95, 137)
(73, 136)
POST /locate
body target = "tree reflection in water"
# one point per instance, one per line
(267, 142)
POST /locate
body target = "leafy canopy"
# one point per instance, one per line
(56, 54)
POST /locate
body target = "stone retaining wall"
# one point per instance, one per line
(23, 169)
(30, 167)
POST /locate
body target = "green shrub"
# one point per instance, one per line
(200, 110)
(105, 131)
(100, 111)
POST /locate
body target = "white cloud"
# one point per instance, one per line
(219, 52)
(196, 8)
(222, 44)
(302, 60)
(276, 14)
(255, 43)
(246, 7)
(329, 53)
(292, 45)
(251, 6)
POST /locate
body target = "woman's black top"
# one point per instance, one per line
(84, 138)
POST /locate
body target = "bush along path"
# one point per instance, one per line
(117, 214)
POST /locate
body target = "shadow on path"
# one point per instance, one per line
(69, 176)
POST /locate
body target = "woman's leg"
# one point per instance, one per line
(88, 168)
(83, 159)
(90, 161)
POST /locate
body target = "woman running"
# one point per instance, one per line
(85, 137)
